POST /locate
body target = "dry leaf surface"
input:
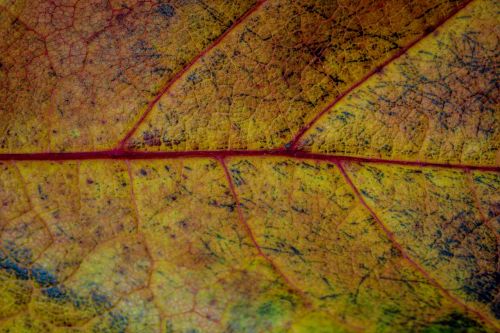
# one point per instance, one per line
(249, 166)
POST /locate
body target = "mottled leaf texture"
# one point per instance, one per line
(190, 166)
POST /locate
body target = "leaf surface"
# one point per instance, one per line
(242, 166)
(439, 102)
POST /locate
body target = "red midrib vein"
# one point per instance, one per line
(218, 154)
(295, 141)
(186, 68)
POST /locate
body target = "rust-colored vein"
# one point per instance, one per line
(295, 141)
(405, 255)
(138, 155)
(186, 68)
(252, 236)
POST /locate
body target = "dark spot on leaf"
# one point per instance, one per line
(193, 77)
(55, 293)
(166, 10)
(483, 286)
(12, 267)
(43, 277)
(43, 196)
(152, 138)
(118, 322)
(295, 251)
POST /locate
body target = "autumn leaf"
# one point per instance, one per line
(249, 166)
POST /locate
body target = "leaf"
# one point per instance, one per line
(242, 166)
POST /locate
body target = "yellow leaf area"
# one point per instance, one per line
(246, 244)
(438, 102)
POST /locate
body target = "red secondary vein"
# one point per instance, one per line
(403, 252)
(179, 74)
(252, 236)
(217, 154)
(293, 144)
